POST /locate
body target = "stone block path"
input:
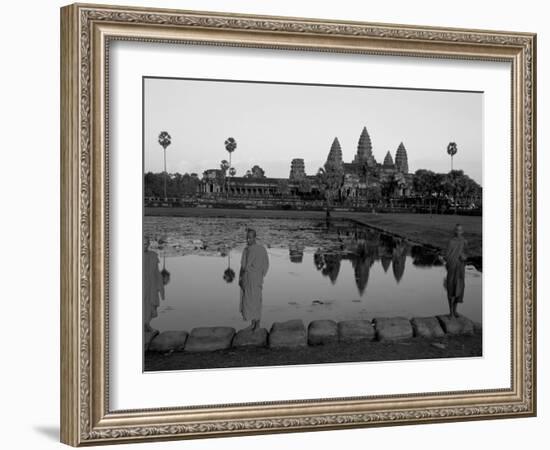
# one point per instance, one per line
(427, 327)
(356, 330)
(291, 333)
(393, 328)
(169, 341)
(456, 325)
(205, 339)
(321, 332)
(294, 334)
(249, 338)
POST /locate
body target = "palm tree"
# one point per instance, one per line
(230, 146)
(451, 150)
(224, 166)
(165, 140)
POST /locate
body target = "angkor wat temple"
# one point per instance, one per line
(359, 175)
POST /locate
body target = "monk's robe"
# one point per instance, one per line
(455, 258)
(254, 265)
(153, 287)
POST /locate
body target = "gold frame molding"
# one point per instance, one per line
(86, 31)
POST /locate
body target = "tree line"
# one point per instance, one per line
(431, 189)
(455, 185)
(177, 185)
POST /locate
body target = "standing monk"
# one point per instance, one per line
(254, 265)
(153, 286)
(455, 258)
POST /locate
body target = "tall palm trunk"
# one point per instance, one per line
(165, 176)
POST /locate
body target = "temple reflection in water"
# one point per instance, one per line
(364, 247)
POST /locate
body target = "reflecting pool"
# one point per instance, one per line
(340, 271)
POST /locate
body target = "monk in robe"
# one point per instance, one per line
(153, 286)
(254, 266)
(455, 259)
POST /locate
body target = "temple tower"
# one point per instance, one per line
(401, 161)
(388, 160)
(297, 169)
(335, 154)
(364, 150)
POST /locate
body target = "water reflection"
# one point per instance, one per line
(331, 267)
(398, 259)
(229, 273)
(345, 267)
(296, 252)
(423, 258)
(165, 275)
(328, 263)
(363, 247)
(361, 267)
(386, 261)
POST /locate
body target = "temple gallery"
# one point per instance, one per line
(362, 182)
(357, 176)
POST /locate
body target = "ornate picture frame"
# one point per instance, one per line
(86, 34)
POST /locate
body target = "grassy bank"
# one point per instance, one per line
(415, 348)
(433, 230)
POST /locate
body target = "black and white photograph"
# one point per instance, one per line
(236, 224)
(290, 224)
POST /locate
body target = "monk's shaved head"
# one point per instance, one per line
(458, 230)
(250, 236)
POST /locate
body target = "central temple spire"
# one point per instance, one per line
(388, 160)
(364, 149)
(335, 154)
(401, 160)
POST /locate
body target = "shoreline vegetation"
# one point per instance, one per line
(430, 230)
(462, 346)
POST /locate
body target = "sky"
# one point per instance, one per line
(274, 123)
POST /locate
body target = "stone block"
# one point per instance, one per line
(169, 341)
(456, 325)
(291, 333)
(249, 338)
(355, 330)
(207, 339)
(321, 332)
(439, 345)
(393, 328)
(427, 327)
